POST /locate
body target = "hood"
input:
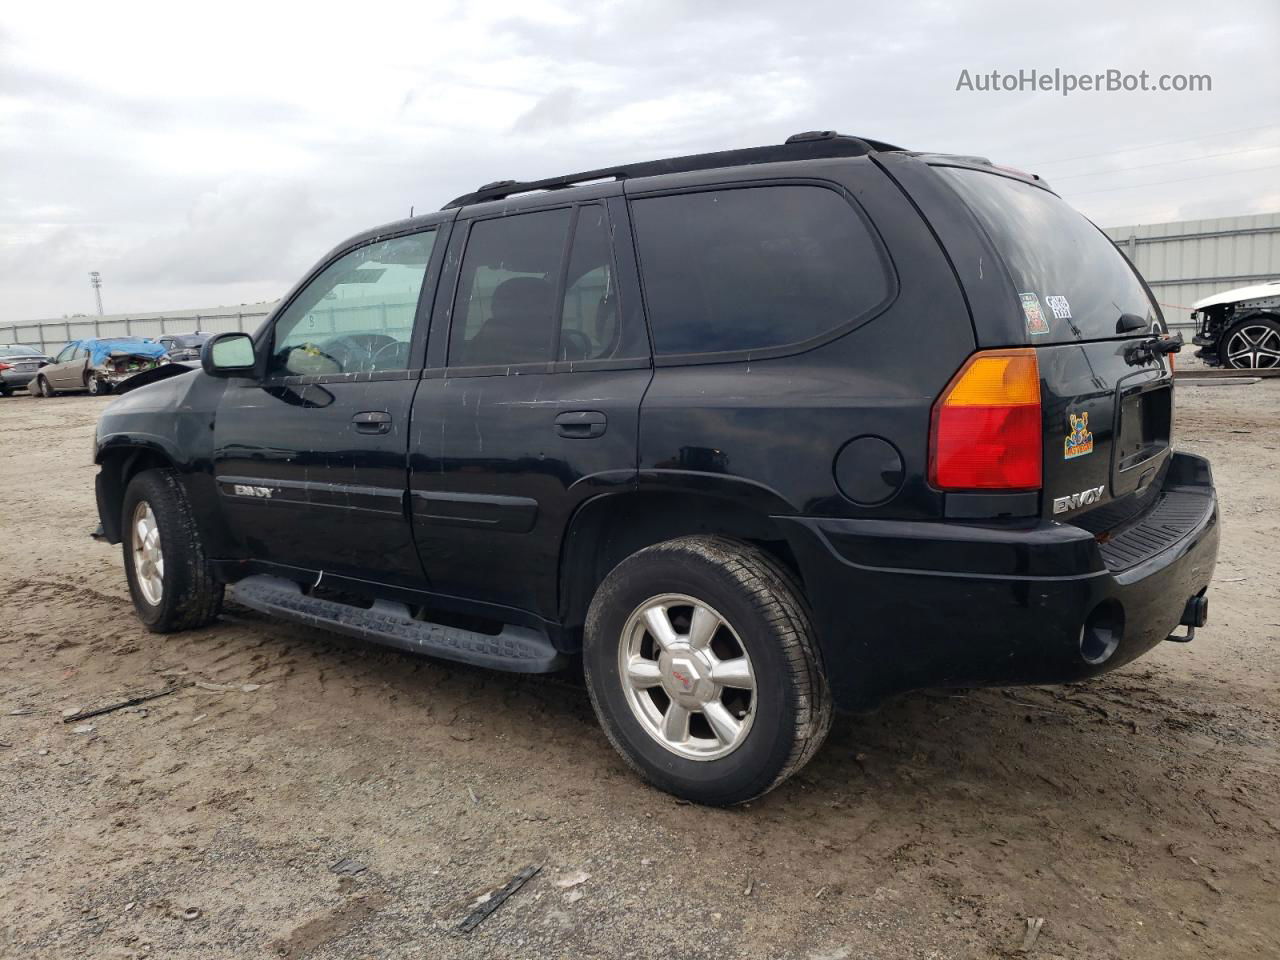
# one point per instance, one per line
(1259, 290)
(162, 372)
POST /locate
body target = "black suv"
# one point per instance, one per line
(756, 434)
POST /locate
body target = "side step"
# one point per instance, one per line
(515, 649)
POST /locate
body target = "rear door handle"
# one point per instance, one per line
(581, 424)
(372, 421)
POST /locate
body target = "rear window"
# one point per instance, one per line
(754, 268)
(1072, 282)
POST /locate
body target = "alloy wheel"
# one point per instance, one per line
(1254, 347)
(687, 677)
(148, 559)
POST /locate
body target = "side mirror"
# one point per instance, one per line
(228, 355)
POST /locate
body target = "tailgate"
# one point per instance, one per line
(1107, 419)
(1058, 284)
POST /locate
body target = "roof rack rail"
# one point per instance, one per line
(811, 145)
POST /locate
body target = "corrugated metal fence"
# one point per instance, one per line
(1191, 259)
(50, 336)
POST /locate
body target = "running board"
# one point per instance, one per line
(515, 649)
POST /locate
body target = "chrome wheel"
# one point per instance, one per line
(1254, 347)
(148, 560)
(687, 676)
(93, 386)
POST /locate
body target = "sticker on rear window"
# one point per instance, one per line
(1079, 441)
(1061, 309)
(1036, 323)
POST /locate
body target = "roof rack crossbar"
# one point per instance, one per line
(803, 146)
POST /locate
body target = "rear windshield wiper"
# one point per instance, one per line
(1146, 350)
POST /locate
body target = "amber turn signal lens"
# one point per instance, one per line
(986, 431)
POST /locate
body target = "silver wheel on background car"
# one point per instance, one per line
(687, 677)
(148, 560)
(92, 384)
(1253, 347)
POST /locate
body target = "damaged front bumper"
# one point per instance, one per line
(119, 369)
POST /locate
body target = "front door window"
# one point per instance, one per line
(357, 315)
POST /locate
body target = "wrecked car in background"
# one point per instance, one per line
(18, 366)
(1240, 328)
(97, 365)
(184, 346)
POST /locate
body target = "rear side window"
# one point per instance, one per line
(1071, 281)
(510, 308)
(754, 268)
(506, 307)
(590, 327)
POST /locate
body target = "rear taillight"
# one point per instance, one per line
(5, 366)
(986, 432)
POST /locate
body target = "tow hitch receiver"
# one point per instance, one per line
(1195, 614)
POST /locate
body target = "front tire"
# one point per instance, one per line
(702, 666)
(43, 388)
(170, 577)
(1252, 344)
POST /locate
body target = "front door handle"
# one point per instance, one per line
(372, 421)
(581, 424)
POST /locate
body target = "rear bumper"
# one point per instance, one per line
(904, 605)
(14, 380)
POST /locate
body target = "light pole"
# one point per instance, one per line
(95, 281)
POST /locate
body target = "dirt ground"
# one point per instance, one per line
(1138, 815)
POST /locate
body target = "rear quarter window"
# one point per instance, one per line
(755, 268)
(1070, 281)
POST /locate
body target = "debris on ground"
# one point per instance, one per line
(487, 904)
(84, 728)
(77, 714)
(573, 880)
(346, 867)
(228, 687)
(1034, 925)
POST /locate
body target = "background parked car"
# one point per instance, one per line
(18, 366)
(1240, 328)
(98, 365)
(184, 346)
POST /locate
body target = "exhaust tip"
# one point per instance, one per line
(1102, 631)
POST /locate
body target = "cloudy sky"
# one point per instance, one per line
(208, 158)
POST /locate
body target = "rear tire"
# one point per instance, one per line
(1252, 344)
(755, 668)
(170, 577)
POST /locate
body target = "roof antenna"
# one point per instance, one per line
(410, 211)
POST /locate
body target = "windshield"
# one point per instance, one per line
(1072, 282)
(189, 340)
(18, 350)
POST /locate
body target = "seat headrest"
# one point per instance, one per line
(522, 296)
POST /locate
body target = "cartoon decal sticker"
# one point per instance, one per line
(1079, 441)
(1061, 309)
(1036, 323)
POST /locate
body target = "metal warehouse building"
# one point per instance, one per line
(1187, 260)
